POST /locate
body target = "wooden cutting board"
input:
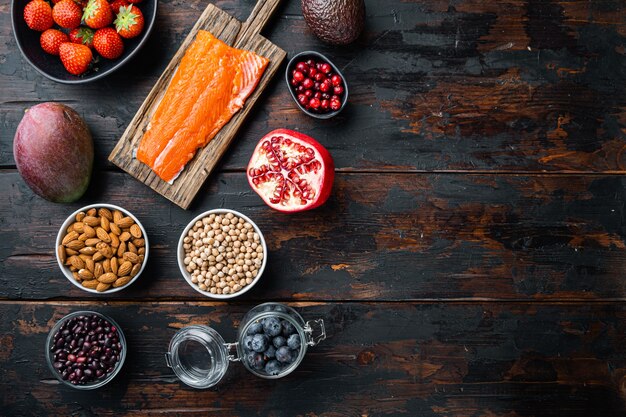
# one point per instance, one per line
(243, 35)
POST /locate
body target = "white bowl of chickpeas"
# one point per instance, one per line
(222, 254)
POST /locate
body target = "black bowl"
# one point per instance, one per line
(303, 56)
(51, 66)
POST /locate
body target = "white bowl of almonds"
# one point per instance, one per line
(102, 248)
(222, 254)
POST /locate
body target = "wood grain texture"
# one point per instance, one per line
(227, 29)
(431, 360)
(501, 85)
(379, 237)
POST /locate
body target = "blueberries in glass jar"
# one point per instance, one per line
(255, 360)
(273, 367)
(247, 342)
(283, 354)
(259, 343)
(288, 328)
(271, 326)
(270, 352)
(255, 328)
(279, 341)
(293, 342)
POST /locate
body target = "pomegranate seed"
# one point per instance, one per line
(307, 83)
(335, 105)
(326, 68)
(308, 93)
(338, 90)
(325, 86)
(336, 80)
(302, 66)
(325, 104)
(298, 76)
(317, 95)
(312, 72)
(320, 76)
(314, 103)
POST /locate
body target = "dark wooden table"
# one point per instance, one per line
(470, 261)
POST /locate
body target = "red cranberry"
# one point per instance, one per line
(317, 95)
(308, 93)
(320, 76)
(326, 68)
(335, 105)
(307, 83)
(325, 104)
(326, 96)
(298, 76)
(300, 89)
(335, 98)
(318, 65)
(336, 80)
(294, 82)
(314, 103)
(316, 86)
(310, 63)
(302, 66)
(325, 86)
(303, 99)
(338, 90)
(312, 72)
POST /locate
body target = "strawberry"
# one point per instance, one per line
(38, 15)
(67, 14)
(51, 39)
(108, 43)
(82, 35)
(129, 22)
(75, 57)
(98, 14)
(115, 6)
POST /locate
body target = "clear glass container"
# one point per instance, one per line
(199, 356)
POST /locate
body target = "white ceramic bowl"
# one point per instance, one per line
(187, 275)
(71, 219)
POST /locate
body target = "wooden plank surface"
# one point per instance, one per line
(226, 28)
(380, 359)
(432, 87)
(379, 237)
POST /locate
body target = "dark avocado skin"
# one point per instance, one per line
(338, 22)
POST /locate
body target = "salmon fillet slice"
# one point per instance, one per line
(211, 84)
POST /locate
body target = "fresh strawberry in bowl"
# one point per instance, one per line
(41, 27)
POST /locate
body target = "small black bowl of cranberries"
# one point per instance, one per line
(85, 350)
(316, 85)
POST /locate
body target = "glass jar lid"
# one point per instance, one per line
(198, 356)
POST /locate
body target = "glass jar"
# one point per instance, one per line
(199, 356)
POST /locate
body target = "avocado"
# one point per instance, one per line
(338, 22)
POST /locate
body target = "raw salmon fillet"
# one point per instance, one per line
(211, 84)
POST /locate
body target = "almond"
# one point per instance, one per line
(85, 274)
(90, 264)
(125, 268)
(83, 257)
(115, 229)
(108, 278)
(124, 237)
(61, 253)
(131, 257)
(102, 287)
(114, 265)
(78, 227)
(106, 213)
(135, 230)
(80, 216)
(98, 270)
(75, 244)
(139, 242)
(70, 252)
(115, 241)
(122, 281)
(91, 221)
(105, 224)
(92, 242)
(98, 256)
(125, 222)
(91, 284)
(89, 231)
(76, 262)
(103, 235)
(141, 251)
(69, 229)
(83, 237)
(117, 216)
(106, 252)
(135, 270)
(106, 265)
(121, 249)
(69, 237)
(88, 250)
(76, 276)
(91, 212)
(131, 248)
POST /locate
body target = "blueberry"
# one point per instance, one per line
(279, 341)
(247, 343)
(255, 360)
(273, 367)
(270, 352)
(294, 342)
(255, 328)
(259, 342)
(283, 354)
(271, 326)
(288, 328)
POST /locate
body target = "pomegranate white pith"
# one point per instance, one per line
(291, 171)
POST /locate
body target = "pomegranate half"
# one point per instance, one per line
(291, 171)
